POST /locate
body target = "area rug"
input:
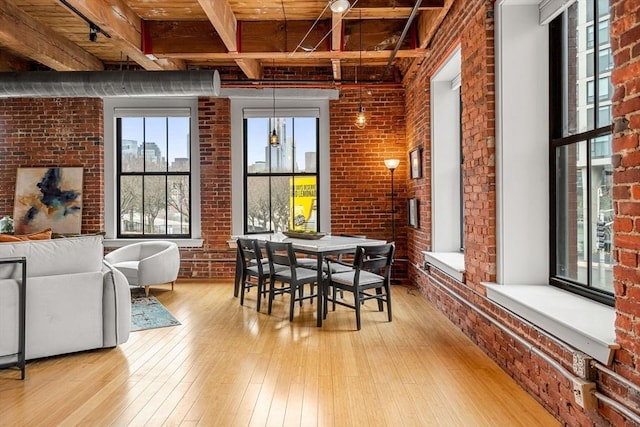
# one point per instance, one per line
(148, 312)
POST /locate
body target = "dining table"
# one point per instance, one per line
(315, 247)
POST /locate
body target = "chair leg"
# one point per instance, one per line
(356, 297)
(261, 287)
(172, 283)
(292, 300)
(242, 288)
(146, 291)
(271, 293)
(379, 299)
(388, 291)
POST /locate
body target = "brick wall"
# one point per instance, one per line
(360, 181)
(465, 304)
(69, 132)
(54, 132)
(625, 43)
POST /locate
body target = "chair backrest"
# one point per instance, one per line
(250, 251)
(281, 253)
(375, 259)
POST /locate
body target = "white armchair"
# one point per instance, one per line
(147, 263)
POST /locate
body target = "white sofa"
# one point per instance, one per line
(75, 300)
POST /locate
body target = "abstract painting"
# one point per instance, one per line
(48, 198)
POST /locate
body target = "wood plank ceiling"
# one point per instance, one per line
(240, 36)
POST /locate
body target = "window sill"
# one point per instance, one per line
(450, 263)
(584, 324)
(183, 243)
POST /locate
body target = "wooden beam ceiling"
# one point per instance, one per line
(22, 34)
(250, 34)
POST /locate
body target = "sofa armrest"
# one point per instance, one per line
(161, 267)
(116, 306)
(125, 253)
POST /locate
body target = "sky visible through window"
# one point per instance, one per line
(305, 137)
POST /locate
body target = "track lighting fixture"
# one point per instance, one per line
(93, 32)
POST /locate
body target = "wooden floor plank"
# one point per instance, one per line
(229, 365)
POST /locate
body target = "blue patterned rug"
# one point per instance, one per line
(148, 312)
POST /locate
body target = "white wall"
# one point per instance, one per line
(445, 155)
(522, 153)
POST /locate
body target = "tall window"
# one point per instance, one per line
(153, 174)
(281, 182)
(582, 212)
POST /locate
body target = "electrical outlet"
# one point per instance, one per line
(583, 393)
(583, 367)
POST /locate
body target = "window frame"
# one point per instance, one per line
(287, 100)
(116, 107)
(559, 138)
(293, 174)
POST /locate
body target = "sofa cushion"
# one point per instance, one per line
(129, 269)
(40, 235)
(52, 257)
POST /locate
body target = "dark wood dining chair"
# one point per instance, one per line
(293, 277)
(371, 272)
(255, 270)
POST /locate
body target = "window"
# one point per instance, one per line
(298, 167)
(582, 210)
(281, 182)
(151, 170)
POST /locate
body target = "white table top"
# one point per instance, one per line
(326, 244)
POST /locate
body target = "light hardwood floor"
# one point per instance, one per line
(227, 365)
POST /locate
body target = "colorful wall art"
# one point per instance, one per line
(48, 198)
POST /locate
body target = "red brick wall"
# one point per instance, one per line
(625, 43)
(214, 259)
(360, 181)
(54, 132)
(29, 128)
(466, 304)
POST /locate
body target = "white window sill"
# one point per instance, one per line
(183, 243)
(582, 323)
(450, 263)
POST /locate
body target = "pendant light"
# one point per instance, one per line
(361, 118)
(274, 139)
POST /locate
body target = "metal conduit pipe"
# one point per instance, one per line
(617, 406)
(616, 376)
(622, 409)
(109, 83)
(565, 373)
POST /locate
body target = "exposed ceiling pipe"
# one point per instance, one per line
(109, 83)
(414, 11)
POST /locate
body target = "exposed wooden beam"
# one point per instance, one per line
(224, 21)
(10, 62)
(125, 28)
(24, 35)
(296, 56)
(428, 23)
(336, 44)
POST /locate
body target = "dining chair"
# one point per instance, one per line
(255, 271)
(293, 277)
(371, 271)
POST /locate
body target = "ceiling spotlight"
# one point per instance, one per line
(93, 32)
(339, 6)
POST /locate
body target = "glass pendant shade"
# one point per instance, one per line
(361, 118)
(274, 140)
